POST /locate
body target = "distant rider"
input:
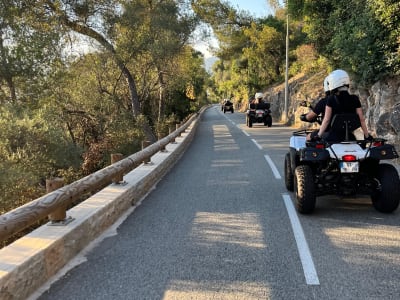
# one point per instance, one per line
(259, 102)
(318, 110)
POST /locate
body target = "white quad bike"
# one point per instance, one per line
(344, 168)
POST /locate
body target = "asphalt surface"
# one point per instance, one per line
(219, 226)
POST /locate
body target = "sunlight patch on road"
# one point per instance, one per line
(373, 243)
(223, 139)
(226, 163)
(205, 290)
(241, 229)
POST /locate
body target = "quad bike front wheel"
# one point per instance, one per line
(305, 189)
(289, 176)
(386, 197)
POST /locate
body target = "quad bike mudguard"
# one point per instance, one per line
(383, 152)
(313, 154)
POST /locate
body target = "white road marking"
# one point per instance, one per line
(257, 144)
(304, 251)
(273, 167)
(244, 131)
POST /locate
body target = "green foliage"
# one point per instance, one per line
(307, 61)
(27, 47)
(32, 148)
(266, 53)
(387, 13)
(360, 36)
(252, 51)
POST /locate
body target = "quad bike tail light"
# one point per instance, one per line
(378, 143)
(349, 157)
(320, 146)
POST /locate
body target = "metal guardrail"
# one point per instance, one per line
(22, 217)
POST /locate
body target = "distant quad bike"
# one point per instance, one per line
(259, 113)
(345, 168)
(228, 106)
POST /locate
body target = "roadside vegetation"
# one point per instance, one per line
(80, 80)
(362, 37)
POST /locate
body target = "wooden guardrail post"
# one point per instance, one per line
(145, 144)
(58, 216)
(171, 130)
(177, 127)
(119, 178)
(160, 136)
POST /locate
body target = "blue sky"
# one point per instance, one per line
(257, 8)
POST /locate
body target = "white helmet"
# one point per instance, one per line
(259, 96)
(337, 79)
(326, 84)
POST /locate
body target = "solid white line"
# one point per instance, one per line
(245, 132)
(304, 251)
(257, 144)
(273, 167)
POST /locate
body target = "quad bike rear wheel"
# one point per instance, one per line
(250, 122)
(268, 121)
(289, 176)
(386, 197)
(305, 189)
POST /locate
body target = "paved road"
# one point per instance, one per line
(221, 225)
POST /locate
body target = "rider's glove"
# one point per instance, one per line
(303, 118)
(316, 138)
(369, 138)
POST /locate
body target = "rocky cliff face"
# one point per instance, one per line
(381, 103)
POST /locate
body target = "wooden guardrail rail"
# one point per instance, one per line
(22, 217)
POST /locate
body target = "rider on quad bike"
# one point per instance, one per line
(340, 102)
(228, 106)
(258, 111)
(317, 113)
(339, 164)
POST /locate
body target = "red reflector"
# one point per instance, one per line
(320, 146)
(377, 144)
(349, 158)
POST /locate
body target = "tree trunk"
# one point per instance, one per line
(89, 32)
(5, 72)
(11, 87)
(161, 100)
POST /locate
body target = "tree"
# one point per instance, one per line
(27, 48)
(360, 35)
(266, 53)
(84, 18)
(162, 28)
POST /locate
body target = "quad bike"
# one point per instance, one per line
(228, 106)
(259, 113)
(345, 168)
